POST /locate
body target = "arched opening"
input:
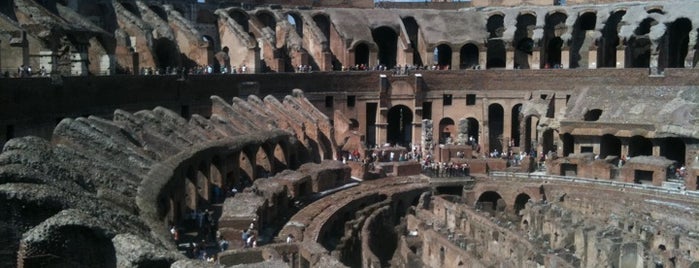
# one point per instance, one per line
(639, 46)
(241, 18)
(468, 56)
(548, 145)
(496, 46)
(531, 134)
(678, 42)
(400, 119)
(412, 28)
(610, 145)
(387, 41)
(515, 134)
(443, 56)
(568, 144)
(166, 54)
(523, 43)
(583, 40)
(323, 23)
(495, 126)
(521, 202)
(296, 21)
(674, 149)
(554, 28)
(473, 130)
(131, 8)
(267, 19)
(446, 130)
(280, 162)
(490, 201)
(354, 124)
(159, 11)
(325, 146)
(245, 173)
(639, 145)
(609, 41)
(264, 167)
(361, 54)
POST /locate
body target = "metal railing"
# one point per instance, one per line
(626, 185)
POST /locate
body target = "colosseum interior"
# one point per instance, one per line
(337, 133)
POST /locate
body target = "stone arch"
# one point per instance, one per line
(166, 53)
(263, 166)
(515, 131)
(638, 48)
(639, 145)
(520, 202)
(609, 41)
(583, 39)
(491, 201)
(400, 127)
(468, 56)
(241, 18)
(412, 29)
(609, 145)
(548, 144)
(442, 54)
(446, 129)
(523, 42)
(246, 170)
(280, 159)
(267, 19)
(473, 129)
(361, 54)
(203, 183)
(190, 188)
(554, 28)
(673, 148)
(327, 151)
(158, 11)
(496, 125)
(568, 144)
(323, 23)
(295, 20)
(131, 8)
(386, 39)
(677, 37)
(495, 45)
(206, 16)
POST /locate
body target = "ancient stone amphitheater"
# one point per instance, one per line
(349, 134)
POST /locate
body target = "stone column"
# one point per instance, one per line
(509, 59)
(456, 60)
(535, 60)
(483, 59)
(592, 59)
(565, 58)
(620, 57)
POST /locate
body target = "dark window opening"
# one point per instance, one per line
(643, 176)
(351, 100)
(470, 99)
(9, 132)
(585, 149)
(427, 110)
(543, 96)
(184, 111)
(567, 99)
(329, 101)
(593, 115)
(447, 99)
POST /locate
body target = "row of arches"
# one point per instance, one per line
(492, 201)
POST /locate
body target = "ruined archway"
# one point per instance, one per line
(323, 23)
(520, 202)
(609, 145)
(490, 201)
(609, 41)
(166, 54)
(495, 45)
(639, 145)
(677, 37)
(523, 43)
(554, 28)
(296, 21)
(547, 144)
(473, 129)
(387, 40)
(159, 11)
(496, 124)
(515, 134)
(241, 18)
(267, 19)
(446, 129)
(400, 128)
(639, 45)
(568, 144)
(583, 40)
(263, 166)
(361, 54)
(280, 162)
(674, 149)
(412, 28)
(468, 56)
(131, 8)
(443, 56)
